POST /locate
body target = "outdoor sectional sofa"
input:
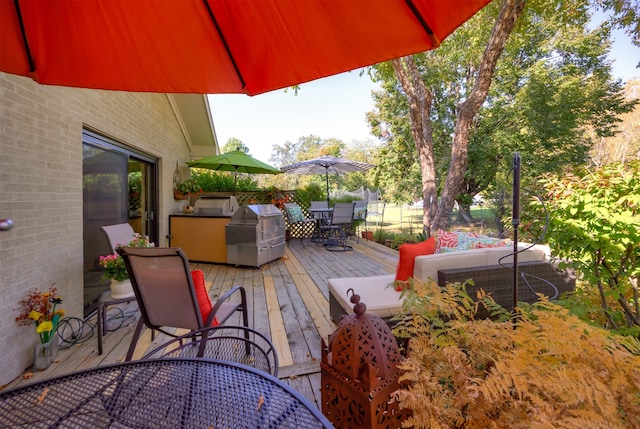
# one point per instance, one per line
(490, 269)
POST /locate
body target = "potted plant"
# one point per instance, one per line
(39, 309)
(192, 189)
(116, 271)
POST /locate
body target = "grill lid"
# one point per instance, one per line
(216, 206)
(255, 212)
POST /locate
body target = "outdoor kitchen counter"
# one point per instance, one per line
(201, 237)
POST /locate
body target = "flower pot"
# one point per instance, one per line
(177, 195)
(45, 353)
(121, 289)
(367, 234)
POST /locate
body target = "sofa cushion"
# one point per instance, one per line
(408, 253)
(537, 252)
(376, 292)
(426, 267)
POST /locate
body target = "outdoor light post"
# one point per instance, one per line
(515, 221)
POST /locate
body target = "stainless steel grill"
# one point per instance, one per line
(216, 206)
(255, 235)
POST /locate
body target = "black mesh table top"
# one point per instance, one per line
(160, 393)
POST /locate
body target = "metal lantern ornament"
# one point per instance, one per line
(359, 372)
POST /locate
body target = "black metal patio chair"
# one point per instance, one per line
(226, 342)
(340, 227)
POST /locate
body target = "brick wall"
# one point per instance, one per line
(41, 189)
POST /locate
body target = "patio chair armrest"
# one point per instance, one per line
(225, 297)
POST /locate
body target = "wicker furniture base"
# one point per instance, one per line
(497, 281)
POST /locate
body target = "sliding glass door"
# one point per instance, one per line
(119, 186)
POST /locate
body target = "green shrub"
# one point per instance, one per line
(222, 181)
(310, 192)
(595, 225)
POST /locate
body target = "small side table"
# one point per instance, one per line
(103, 303)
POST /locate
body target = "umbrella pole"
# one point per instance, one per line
(235, 181)
(326, 175)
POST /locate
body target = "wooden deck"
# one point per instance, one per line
(287, 300)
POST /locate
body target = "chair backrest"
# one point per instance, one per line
(359, 210)
(120, 234)
(293, 212)
(320, 204)
(342, 214)
(233, 343)
(163, 286)
(375, 208)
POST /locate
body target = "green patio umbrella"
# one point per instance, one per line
(236, 161)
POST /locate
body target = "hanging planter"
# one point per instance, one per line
(179, 195)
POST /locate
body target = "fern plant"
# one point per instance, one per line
(542, 368)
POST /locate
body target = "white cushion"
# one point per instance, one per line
(376, 292)
(383, 300)
(536, 253)
(427, 266)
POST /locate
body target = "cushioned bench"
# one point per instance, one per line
(381, 298)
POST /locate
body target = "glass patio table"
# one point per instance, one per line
(161, 393)
(323, 218)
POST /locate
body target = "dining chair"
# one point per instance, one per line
(299, 226)
(340, 227)
(324, 204)
(360, 217)
(232, 343)
(168, 297)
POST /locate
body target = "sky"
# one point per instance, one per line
(331, 107)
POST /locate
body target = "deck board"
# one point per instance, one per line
(287, 301)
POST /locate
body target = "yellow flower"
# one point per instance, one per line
(45, 326)
(35, 315)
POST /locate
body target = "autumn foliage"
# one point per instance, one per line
(542, 369)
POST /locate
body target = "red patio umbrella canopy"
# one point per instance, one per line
(214, 46)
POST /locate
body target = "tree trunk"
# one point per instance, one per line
(464, 213)
(468, 109)
(420, 97)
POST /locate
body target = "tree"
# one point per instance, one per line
(311, 146)
(235, 144)
(306, 147)
(420, 100)
(624, 146)
(481, 96)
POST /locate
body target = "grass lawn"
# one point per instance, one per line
(407, 221)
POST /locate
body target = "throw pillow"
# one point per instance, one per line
(446, 239)
(408, 253)
(495, 243)
(295, 213)
(204, 302)
(454, 241)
